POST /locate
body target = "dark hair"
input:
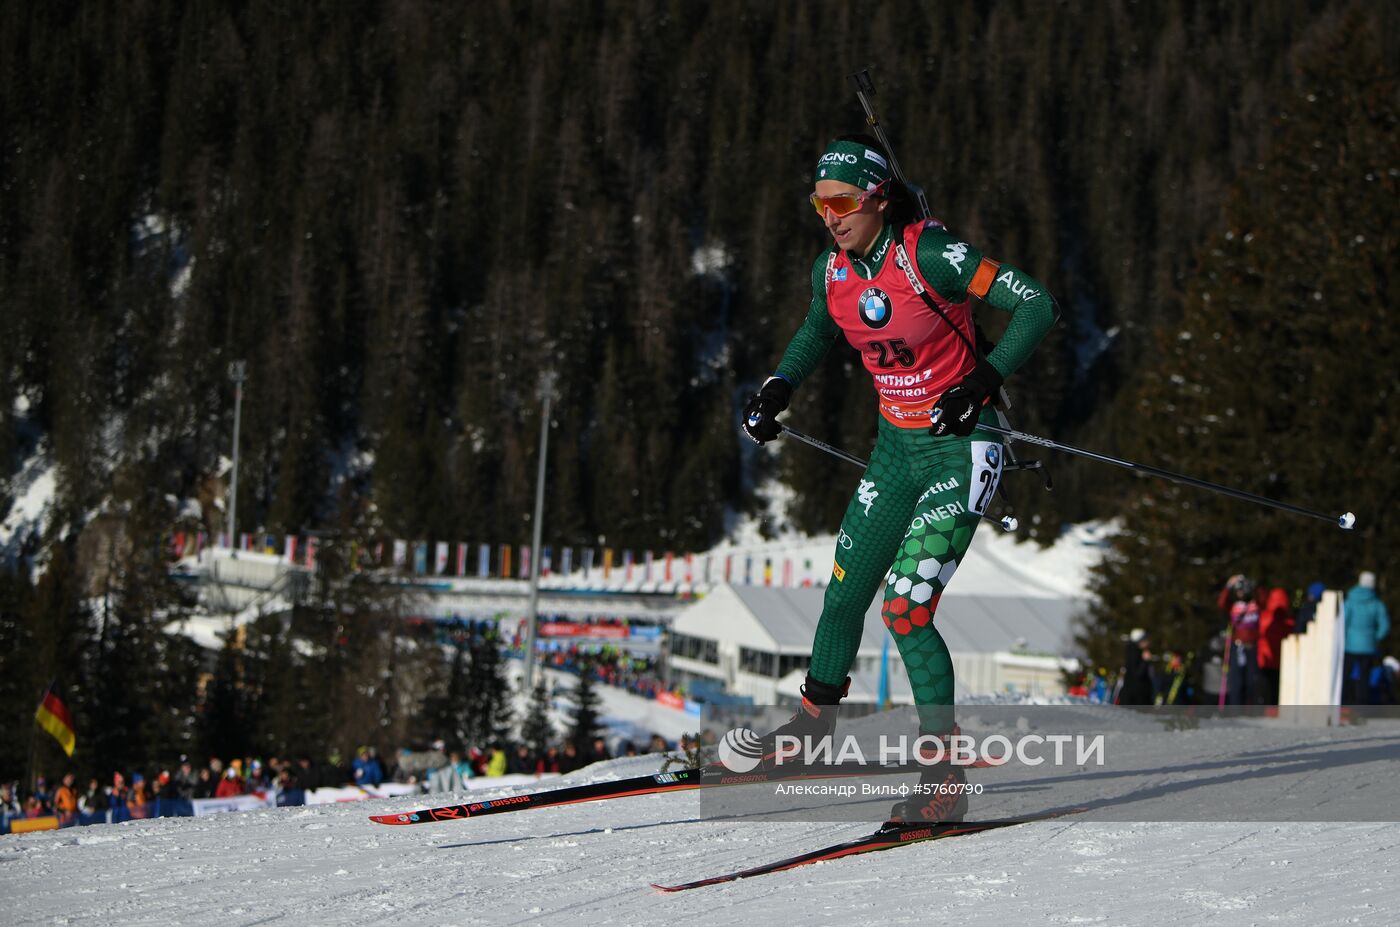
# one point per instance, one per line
(903, 208)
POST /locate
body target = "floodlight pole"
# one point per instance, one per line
(237, 371)
(532, 617)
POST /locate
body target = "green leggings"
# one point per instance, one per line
(908, 525)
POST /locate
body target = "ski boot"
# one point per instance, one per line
(815, 719)
(939, 797)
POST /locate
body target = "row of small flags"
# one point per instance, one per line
(441, 558)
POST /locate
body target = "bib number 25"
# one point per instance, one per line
(894, 353)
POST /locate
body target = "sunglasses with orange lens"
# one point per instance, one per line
(843, 204)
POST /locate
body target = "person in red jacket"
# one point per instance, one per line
(1275, 623)
(1240, 601)
(230, 785)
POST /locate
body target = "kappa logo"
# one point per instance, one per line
(867, 494)
(956, 254)
(874, 308)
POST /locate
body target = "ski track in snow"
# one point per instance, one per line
(590, 864)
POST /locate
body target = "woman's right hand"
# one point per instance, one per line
(761, 414)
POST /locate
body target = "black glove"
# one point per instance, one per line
(761, 414)
(958, 409)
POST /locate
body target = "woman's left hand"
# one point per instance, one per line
(958, 409)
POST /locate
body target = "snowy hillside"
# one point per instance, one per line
(591, 863)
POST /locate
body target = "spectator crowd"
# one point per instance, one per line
(135, 794)
(1243, 663)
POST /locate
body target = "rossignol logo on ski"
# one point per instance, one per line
(487, 805)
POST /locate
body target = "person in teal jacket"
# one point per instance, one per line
(1367, 624)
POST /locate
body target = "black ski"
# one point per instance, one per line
(883, 839)
(622, 788)
(682, 780)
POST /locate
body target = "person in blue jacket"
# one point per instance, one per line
(367, 770)
(1367, 624)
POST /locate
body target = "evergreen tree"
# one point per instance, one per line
(1277, 379)
(323, 197)
(445, 711)
(586, 724)
(488, 716)
(228, 726)
(536, 730)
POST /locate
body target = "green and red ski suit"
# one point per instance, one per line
(920, 499)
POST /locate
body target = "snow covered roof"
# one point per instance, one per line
(785, 620)
(1006, 596)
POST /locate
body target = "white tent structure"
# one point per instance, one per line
(1007, 615)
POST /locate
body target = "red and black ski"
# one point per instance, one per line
(682, 780)
(883, 839)
(596, 791)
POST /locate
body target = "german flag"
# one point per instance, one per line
(53, 717)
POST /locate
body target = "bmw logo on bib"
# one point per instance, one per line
(875, 309)
(993, 456)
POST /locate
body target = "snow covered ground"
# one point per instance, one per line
(590, 864)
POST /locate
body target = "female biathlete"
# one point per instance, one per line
(898, 287)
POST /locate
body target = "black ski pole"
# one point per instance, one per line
(823, 446)
(1346, 521)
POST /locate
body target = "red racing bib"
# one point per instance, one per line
(911, 352)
